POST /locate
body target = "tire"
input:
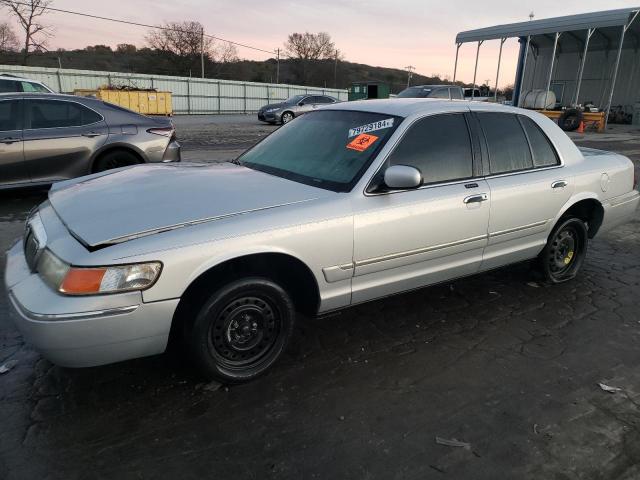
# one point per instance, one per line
(115, 159)
(241, 330)
(566, 249)
(570, 119)
(286, 117)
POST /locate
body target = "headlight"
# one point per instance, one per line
(94, 280)
(271, 110)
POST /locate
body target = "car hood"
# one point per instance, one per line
(273, 105)
(123, 204)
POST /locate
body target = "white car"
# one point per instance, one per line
(347, 204)
(12, 84)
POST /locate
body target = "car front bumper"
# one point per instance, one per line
(269, 116)
(84, 331)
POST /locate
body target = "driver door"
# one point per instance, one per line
(412, 238)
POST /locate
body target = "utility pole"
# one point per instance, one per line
(278, 65)
(410, 69)
(335, 71)
(202, 51)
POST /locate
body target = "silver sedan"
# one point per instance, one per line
(292, 107)
(348, 204)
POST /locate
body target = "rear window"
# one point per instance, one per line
(415, 92)
(8, 86)
(329, 149)
(506, 141)
(544, 155)
(33, 87)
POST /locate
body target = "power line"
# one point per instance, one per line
(127, 22)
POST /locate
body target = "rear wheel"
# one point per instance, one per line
(565, 251)
(242, 329)
(115, 159)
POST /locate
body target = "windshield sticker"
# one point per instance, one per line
(362, 142)
(371, 127)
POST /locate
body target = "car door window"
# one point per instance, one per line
(456, 93)
(506, 142)
(10, 117)
(33, 87)
(57, 113)
(322, 99)
(8, 86)
(439, 146)
(544, 155)
(306, 101)
(440, 93)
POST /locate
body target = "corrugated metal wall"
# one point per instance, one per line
(596, 80)
(190, 95)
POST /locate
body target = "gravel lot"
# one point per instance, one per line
(497, 361)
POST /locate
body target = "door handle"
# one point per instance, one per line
(559, 184)
(481, 197)
(91, 134)
(10, 140)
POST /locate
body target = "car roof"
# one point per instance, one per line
(431, 86)
(7, 76)
(55, 96)
(405, 107)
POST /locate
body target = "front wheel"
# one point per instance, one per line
(242, 329)
(565, 251)
(287, 117)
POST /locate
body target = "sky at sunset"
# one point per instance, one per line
(375, 32)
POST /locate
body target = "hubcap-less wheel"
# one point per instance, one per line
(244, 331)
(565, 251)
(287, 117)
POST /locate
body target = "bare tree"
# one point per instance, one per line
(8, 38)
(29, 13)
(310, 46)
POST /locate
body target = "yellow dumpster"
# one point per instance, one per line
(141, 101)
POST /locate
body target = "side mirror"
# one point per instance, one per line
(402, 177)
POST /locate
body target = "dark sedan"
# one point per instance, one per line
(45, 138)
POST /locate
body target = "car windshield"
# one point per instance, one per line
(415, 92)
(329, 149)
(294, 99)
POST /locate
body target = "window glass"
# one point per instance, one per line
(415, 92)
(456, 94)
(56, 113)
(8, 86)
(10, 115)
(544, 154)
(33, 87)
(323, 99)
(326, 148)
(507, 143)
(440, 93)
(438, 146)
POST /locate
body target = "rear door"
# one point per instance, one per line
(60, 137)
(528, 186)
(12, 166)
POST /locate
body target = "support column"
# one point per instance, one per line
(502, 40)
(475, 70)
(584, 60)
(553, 63)
(455, 66)
(615, 70)
(524, 69)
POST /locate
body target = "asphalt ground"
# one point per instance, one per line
(499, 362)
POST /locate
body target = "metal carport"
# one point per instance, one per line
(591, 57)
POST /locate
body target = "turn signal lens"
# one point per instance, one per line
(80, 281)
(120, 278)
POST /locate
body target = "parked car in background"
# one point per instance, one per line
(45, 138)
(449, 92)
(351, 203)
(293, 107)
(12, 84)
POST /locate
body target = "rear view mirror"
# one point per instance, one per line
(401, 177)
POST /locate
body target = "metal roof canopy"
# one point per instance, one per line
(584, 21)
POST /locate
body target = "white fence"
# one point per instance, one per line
(190, 95)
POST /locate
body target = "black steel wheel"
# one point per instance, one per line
(115, 159)
(287, 117)
(565, 251)
(242, 329)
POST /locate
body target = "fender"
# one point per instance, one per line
(578, 197)
(115, 146)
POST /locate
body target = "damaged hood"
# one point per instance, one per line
(123, 204)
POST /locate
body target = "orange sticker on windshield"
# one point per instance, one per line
(362, 142)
